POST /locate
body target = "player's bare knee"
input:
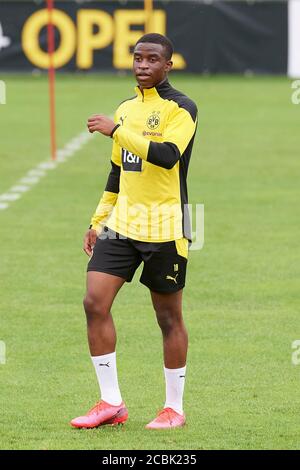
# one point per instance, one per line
(169, 321)
(94, 307)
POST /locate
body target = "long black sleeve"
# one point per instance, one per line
(165, 154)
(113, 181)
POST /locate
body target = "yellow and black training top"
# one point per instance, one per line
(146, 193)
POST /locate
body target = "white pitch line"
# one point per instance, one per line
(47, 165)
(34, 175)
(29, 180)
(19, 189)
(9, 196)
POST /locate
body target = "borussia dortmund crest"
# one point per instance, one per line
(153, 120)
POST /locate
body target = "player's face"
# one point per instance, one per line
(150, 65)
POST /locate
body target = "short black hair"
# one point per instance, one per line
(156, 38)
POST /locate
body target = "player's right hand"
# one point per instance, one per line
(89, 241)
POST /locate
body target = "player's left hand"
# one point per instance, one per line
(100, 123)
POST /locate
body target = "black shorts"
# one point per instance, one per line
(164, 268)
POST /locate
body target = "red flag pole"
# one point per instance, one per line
(51, 76)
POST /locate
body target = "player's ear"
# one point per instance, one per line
(169, 65)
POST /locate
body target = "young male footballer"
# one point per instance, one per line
(141, 217)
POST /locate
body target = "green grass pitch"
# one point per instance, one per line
(241, 302)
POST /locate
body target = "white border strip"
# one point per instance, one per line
(35, 175)
(294, 39)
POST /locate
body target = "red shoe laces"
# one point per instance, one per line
(96, 408)
(166, 411)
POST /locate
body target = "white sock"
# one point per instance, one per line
(175, 379)
(106, 370)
